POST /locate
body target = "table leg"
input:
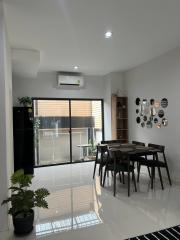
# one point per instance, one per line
(152, 177)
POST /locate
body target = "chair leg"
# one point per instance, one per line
(169, 178)
(160, 176)
(123, 177)
(94, 169)
(99, 169)
(139, 169)
(133, 167)
(101, 175)
(104, 177)
(152, 177)
(167, 169)
(149, 172)
(134, 179)
(119, 176)
(128, 183)
(114, 184)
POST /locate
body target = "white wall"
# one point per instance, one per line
(45, 85)
(6, 142)
(157, 79)
(113, 84)
(117, 83)
(107, 107)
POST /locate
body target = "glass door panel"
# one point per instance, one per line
(51, 132)
(86, 128)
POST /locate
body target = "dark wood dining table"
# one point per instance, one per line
(130, 149)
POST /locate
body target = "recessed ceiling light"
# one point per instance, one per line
(76, 67)
(108, 34)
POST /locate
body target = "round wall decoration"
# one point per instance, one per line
(137, 111)
(157, 104)
(152, 101)
(155, 120)
(138, 100)
(164, 122)
(161, 113)
(153, 111)
(145, 118)
(164, 103)
(149, 124)
(158, 125)
(142, 124)
(138, 120)
(146, 111)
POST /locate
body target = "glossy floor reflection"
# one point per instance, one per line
(80, 209)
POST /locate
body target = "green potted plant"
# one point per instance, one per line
(23, 200)
(92, 148)
(25, 101)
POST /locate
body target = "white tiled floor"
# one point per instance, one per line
(80, 209)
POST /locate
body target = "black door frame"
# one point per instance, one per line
(70, 131)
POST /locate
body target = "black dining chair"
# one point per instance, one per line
(101, 156)
(138, 143)
(118, 162)
(154, 163)
(137, 158)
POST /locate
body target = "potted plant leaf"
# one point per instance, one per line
(23, 200)
(25, 101)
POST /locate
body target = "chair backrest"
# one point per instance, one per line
(161, 148)
(117, 155)
(102, 150)
(138, 143)
(111, 141)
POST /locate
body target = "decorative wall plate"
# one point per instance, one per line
(164, 122)
(152, 111)
(145, 118)
(138, 100)
(164, 103)
(144, 101)
(152, 101)
(146, 111)
(155, 120)
(138, 120)
(158, 125)
(161, 113)
(149, 124)
(142, 124)
(157, 104)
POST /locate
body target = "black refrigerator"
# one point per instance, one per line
(23, 139)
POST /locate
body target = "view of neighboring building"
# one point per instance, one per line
(59, 122)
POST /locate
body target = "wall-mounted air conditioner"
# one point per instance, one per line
(70, 81)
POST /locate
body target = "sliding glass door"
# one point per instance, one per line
(66, 131)
(86, 128)
(51, 132)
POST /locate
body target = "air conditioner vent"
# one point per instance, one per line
(70, 81)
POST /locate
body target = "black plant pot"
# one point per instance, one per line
(24, 225)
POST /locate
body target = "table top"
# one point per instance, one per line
(136, 150)
(131, 149)
(84, 145)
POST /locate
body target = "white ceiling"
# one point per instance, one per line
(71, 32)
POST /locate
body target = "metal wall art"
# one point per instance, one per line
(151, 112)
